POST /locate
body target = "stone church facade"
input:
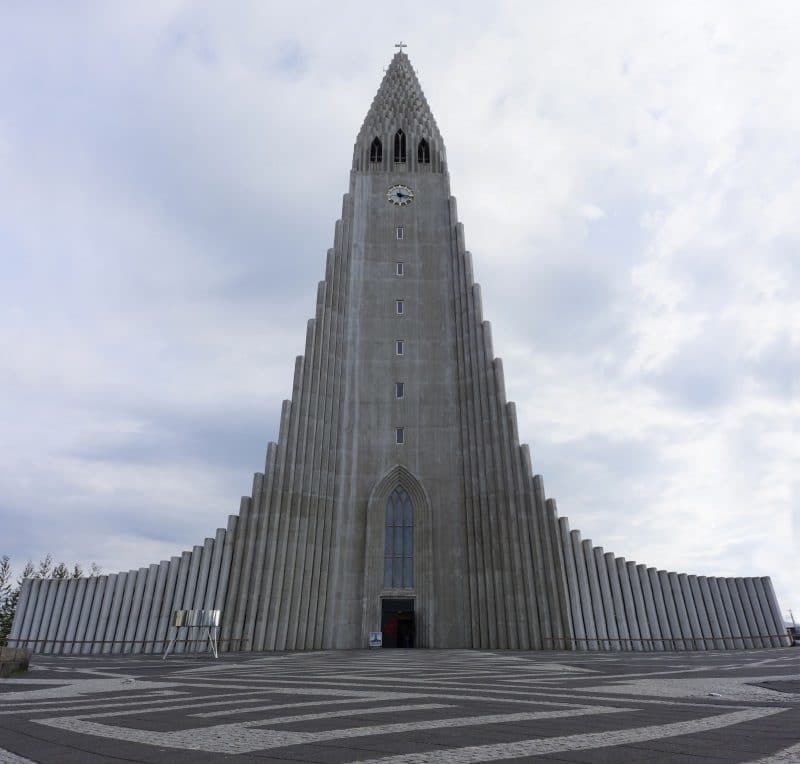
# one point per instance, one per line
(398, 496)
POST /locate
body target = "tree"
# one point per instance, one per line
(8, 599)
(9, 595)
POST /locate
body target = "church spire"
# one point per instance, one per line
(399, 105)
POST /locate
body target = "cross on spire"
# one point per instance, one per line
(400, 45)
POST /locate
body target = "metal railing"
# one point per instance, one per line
(59, 644)
(627, 643)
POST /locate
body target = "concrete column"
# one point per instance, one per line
(23, 613)
(723, 607)
(48, 594)
(606, 599)
(682, 612)
(177, 602)
(156, 606)
(78, 587)
(56, 611)
(146, 610)
(553, 595)
(752, 625)
(737, 610)
(711, 613)
(323, 633)
(641, 610)
(537, 550)
(40, 590)
(563, 628)
(109, 591)
(661, 609)
(250, 533)
(558, 574)
(203, 574)
(483, 552)
(519, 553)
(524, 541)
(650, 609)
(41, 614)
(619, 605)
(630, 607)
(232, 604)
(702, 616)
(711, 634)
(167, 605)
(255, 628)
(596, 597)
(66, 595)
(119, 645)
(755, 606)
(309, 596)
(264, 638)
(777, 616)
(772, 628)
(691, 612)
(137, 595)
(302, 521)
(583, 587)
(572, 585)
(495, 604)
(672, 611)
(192, 577)
(87, 625)
(477, 594)
(213, 574)
(221, 596)
(276, 624)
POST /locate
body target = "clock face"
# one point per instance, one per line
(400, 195)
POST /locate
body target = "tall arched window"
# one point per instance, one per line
(376, 151)
(423, 152)
(398, 557)
(399, 146)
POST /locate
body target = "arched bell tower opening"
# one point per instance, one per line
(423, 152)
(376, 151)
(399, 147)
(398, 561)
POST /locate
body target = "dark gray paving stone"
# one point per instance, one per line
(453, 678)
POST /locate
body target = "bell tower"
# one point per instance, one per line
(424, 409)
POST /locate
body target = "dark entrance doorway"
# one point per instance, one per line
(397, 623)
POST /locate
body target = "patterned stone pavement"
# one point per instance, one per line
(406, 707)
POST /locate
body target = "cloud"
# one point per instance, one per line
(170, 178)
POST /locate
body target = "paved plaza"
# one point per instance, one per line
(405, 707)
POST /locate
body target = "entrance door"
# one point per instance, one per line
(397, 623)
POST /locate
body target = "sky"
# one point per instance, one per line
(628, 175)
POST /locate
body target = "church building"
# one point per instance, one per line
(397, 497)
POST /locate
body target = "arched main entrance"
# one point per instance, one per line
(397, 622)
(398, 562)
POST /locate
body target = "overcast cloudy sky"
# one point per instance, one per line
(628, 175)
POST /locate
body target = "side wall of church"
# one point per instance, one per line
(619, 605)
(127, 612)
